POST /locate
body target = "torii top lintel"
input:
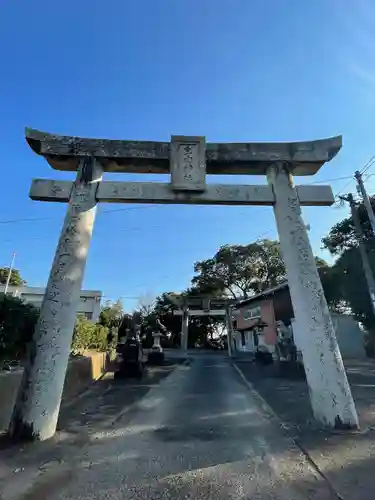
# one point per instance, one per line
(63, 153)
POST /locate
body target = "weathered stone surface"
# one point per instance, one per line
(314, 335)
(315, 195)
(188, 163)
(62, 153)
(229, 325)
(200, 312)
(50, 190)
(38, 402)
(184, 331)
(151, 192)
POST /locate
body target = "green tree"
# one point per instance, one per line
(342, 236)
(346, 279)
(15, 277)
(332, 285)
(240, 270)
(88, 335)
(111, 314)
(201, 329)
(17, 324)
(146, 304)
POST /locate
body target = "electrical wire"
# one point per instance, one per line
(366, 167)
(128, 209)
(122, 229)
(344, 188)
(369, 164)
(335, 179)
(38, 219)
(174, 273)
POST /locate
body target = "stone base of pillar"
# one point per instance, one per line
(155, 357)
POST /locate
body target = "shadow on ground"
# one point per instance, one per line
(345, 458)
(94, 411)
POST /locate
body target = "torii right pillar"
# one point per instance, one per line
(330, 393)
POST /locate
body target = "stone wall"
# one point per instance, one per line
(349, 335)
(82, 371)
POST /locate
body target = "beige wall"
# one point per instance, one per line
(80, 374)
(88, 304)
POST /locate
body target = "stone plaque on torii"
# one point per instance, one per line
(187, 160)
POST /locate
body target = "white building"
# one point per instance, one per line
(88, 306)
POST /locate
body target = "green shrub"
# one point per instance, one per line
(88, 335)
(17, 324)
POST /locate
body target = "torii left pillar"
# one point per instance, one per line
(38, 402)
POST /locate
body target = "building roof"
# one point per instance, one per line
(261, 295)
(39, 290)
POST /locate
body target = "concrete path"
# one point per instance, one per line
(199, 434)
(347, 459)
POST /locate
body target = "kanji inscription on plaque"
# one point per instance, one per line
(188, 163)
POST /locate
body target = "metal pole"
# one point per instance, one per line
(10, 273)
(362, 250)
(366, 200)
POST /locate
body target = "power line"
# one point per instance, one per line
(128, 209)
(174, 273)
(122, 229)
(344, 188)
(37, 219)
(29, 219)
(332, 180)
(369, 164)
(365, 168)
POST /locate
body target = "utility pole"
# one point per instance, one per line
(10, 273)
(362, 249)
(366, 199)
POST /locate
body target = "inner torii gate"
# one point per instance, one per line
(209, 307)
(187, 160)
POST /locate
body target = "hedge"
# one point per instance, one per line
(89, 335)
(17, 324)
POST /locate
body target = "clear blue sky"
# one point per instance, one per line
(232, 70)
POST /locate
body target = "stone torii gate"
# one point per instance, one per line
(187, 160)
(209, 307)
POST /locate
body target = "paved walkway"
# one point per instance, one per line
(96, 410)
(198, 434)
(345, 458)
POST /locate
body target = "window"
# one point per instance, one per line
(85, 315)
(252, 313)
